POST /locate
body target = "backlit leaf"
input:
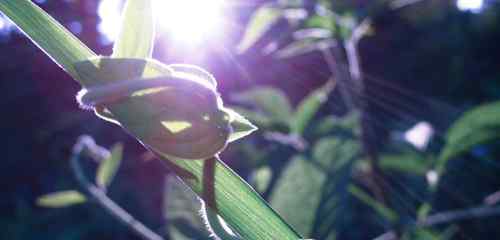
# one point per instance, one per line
(241, 126)
(108, 167)
(137, 31)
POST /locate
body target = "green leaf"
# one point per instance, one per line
(108, 167)
(241, 126)
(181, 209)
(261, 21)
(137, 31)
(301, 47)
(348, 124)
(297, 193)
(258, 118)
(333, 153)
(323, 22)
(271, 101)
(50, 36)
(309, 106)
(423, 210)
(61, 199)
(196, 72)
(238, 204)
(477, 126)
(382, 210)
(218, 226)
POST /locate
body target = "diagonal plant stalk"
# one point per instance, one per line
(233, 199)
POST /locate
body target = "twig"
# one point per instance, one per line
(85, 143)
(448, 217)
(398, 4)
(391, 235)
(459, 215)
(492, 199)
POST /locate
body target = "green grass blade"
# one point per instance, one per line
(50, 36)
(136, 36)
(239, 205)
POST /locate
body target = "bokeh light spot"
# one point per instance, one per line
(419, 135)
(470, 5)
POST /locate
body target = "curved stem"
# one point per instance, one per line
(99, 196)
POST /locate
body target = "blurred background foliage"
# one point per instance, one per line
(376, 118)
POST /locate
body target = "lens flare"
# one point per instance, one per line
(189, 21)
(185, 21)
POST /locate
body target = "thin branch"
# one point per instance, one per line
(85, 144)
(448, 217)
(391, 235)
(339, 73)
(459, 215)
(492, 199)
(398, 4)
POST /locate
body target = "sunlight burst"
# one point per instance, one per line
(189, 21)
(186, 21)
(110, 13)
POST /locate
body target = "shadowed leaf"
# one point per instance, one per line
(271, 101)
(61, 199)
(260, 22)
(477, 126)
(303, 181)
(309, 106)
